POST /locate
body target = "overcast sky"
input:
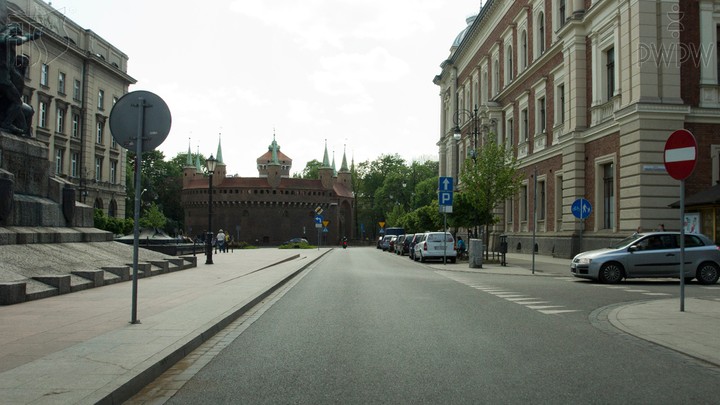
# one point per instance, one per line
(355, 72)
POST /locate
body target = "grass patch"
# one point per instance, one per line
(243, 245)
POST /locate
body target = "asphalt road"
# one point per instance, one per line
(363, 326)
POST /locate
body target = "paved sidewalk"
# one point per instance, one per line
(80, 348)
(693, 332)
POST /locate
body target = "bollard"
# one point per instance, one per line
(475, 253)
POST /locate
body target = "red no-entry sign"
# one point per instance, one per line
(680, 154)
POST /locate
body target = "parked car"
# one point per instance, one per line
(405, 248)
(386, 242)
(399, 244)
(653, 254)
(296, 240)
(436, 245)
(379, 242)
(411, 246)
(391, 243)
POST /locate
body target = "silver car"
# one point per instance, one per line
(655, 254)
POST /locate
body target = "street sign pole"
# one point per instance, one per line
(445, 241)
(680, 158)
(138, 186)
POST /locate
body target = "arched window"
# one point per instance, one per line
(98, 203)
(112, 209)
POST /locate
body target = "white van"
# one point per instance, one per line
(432, 245)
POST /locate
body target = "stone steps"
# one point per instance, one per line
(55, 282)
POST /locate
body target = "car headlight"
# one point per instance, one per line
(584, 261)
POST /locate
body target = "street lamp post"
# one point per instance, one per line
(211, 162)
(474, 118)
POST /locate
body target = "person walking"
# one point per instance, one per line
(221, 241)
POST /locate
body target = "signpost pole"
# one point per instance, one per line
(138, 186)
(445, 241)
(682, 245)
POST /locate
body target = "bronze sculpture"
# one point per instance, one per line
(15, 116)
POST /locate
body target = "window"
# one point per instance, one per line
(99, 137)
(561, 13)
(61, 83)
(541, 33)
(113, 170)
(44, 73)
(76, 90)
(496, 73)
(509, 210)
(27, 70)
(60, 120)
(558, 198)
(115, 100)
(75, 158)
(541, 115)
(524, 203)
(58, 161)
(524, 50)
(101, 99)
(608, 196)
(113, 144)
(42, 118)
(510, 134)
(561, 103)
(525, 125)
(98, 169)
(610, 72)
(509, 64)
(541, 200)
(75, 125)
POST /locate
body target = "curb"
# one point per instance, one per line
(148, 374)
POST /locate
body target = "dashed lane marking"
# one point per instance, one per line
(656, 294)
(544, 306)
(559, 311)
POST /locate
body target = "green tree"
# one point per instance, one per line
(99, 219)
(491, 178)
(153, 217)
(312, 170)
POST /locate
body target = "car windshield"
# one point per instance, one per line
(625, 242)
(438, 237)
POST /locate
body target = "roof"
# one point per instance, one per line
(341, 190)
(259, 182)
(707, 197)
(268, 156)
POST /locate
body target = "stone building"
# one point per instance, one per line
(74, 79)
(273, 207)
(587, 92)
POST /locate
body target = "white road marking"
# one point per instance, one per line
(559, 311)
(532, 303)
(655, 294)
(512, 296)
(544, 306)
(520, 299)
(640, 291)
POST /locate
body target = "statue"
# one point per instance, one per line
(15, 116)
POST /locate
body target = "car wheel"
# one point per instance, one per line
(452, 260)
(422, 258)
(611, 273)
(707, 273)
(688, 279)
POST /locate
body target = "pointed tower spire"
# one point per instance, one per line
(274, 148)
(326, 160)
(333, 165)
(189, 160)
(344, 166)
(197, 161)
(219, 151)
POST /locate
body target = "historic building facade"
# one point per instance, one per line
(74, 79)
(273, 207)
(587, 92)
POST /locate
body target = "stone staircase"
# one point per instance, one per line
(32, 272)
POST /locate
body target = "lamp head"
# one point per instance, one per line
(211, 163)
(457, 132)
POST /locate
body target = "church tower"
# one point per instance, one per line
(273, 167)
(345, 175)
(326, 171)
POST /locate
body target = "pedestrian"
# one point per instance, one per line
(221, 241)
(661, 228)
(460, 247)
(639, 230)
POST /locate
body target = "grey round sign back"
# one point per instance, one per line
(124, 118)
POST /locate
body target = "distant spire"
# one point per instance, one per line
(189, 160)
(197, 161)
(326, 160)
(333, 165)
(274, 148)
(344, 166)
(219, 152)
